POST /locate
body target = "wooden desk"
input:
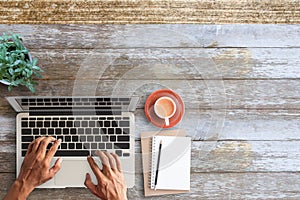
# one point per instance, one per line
(240, 84)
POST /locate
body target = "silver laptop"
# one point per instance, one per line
(85, 124)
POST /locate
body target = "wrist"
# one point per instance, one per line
(21, 189)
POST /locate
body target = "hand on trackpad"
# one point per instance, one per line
(73, 172)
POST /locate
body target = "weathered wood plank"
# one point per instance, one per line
(163, 35)
(172, 63)
(155, 11)
(203, 186)
(213, 156)
(198, 94)
(203, 124)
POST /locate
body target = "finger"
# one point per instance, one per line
(29, 149)
(111, 161)
(36, 144)
(44, 143)
(105, 162)
(89, 184)
(56, 167)
(99, 175)
(118, 162)
(53, 150)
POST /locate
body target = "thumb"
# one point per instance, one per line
(89, 184)
(56, 167)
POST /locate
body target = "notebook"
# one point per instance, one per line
(146, 144)
(174, 163)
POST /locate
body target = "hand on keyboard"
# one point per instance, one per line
(36, 168)
(111, 182)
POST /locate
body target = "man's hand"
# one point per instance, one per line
(35, 169)
(111, 182)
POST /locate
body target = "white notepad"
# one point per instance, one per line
(174, 167)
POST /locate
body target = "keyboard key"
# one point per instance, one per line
(77, 124)
(69, 123)
(80, 131)
(57, 131)
(24, 153)
(96, 131)
(35, 131)
(91, 124)
(114, 124)
(83, 138)
(73, 131)
(126, 131)
(118, 131)
(123, 138)
(32, 124)
(72, 153)
(90, 138)
(111, 131)
(126, 154)
(50, 131)
(67, 138)
(25, 145)
(78, 145)
(66, 131)
(63, 146)
(93, 145)
(62, 124)
(107, 124)
(75, 138)
(121, 145)
(39, 124)
(112, 138)
(97, 138)
(26, 131)
(86, 146)
(101, 145)
(60, 137)
(88, 131)
(54, 124)
(43, 131)
(119, 152)
(84, 124)
(46, 123)
(27, 138)
(108, 145)
(99, 124)
(103, 130)
(124, 123)
(105, 138)
(71, 146)
(24, 124)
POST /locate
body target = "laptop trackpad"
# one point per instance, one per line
(72, 173)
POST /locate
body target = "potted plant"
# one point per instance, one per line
(16, 64)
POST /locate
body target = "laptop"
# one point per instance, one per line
(85, 124)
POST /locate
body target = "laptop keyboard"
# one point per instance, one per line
(81, 136)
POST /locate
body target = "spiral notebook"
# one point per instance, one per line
(173, 164)
(146, 144)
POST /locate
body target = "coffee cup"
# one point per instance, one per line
(165, 108)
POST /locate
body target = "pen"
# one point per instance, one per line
(157, 167)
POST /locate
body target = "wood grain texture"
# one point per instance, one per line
(155, 11)
(237, 124)
(203, 186)
(171, 63)
(239, 84)
(214, 156)
(159, 35)
(203, 94)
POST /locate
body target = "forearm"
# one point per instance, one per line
(18, 191)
